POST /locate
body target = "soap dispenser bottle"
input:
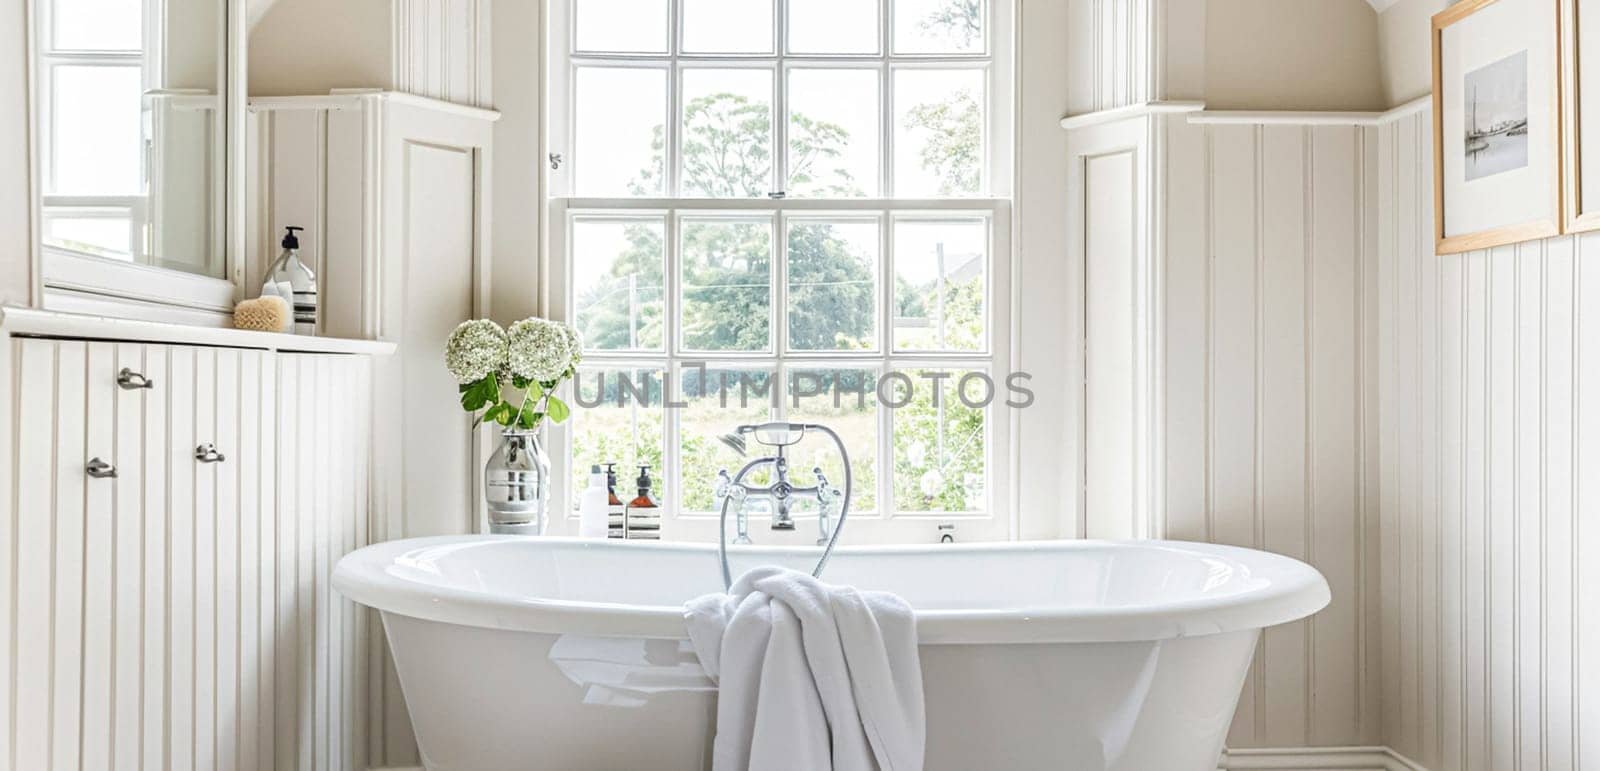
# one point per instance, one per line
(643, 519)
(295, 282)
(615, 509)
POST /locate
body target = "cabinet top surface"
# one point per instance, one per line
(40, 323)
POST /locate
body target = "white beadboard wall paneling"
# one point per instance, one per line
(1488, 463)
(149, 612)
(442, 49)
(1266, 248)
(1111, 64)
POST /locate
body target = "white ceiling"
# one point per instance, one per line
(1381, 5)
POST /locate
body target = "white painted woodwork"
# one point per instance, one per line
(160, 619)
(400, 186)
(1490, 458)
(441, 49)
(1262, 250)
(1110, 264)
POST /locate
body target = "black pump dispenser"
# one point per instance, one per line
(290, 241)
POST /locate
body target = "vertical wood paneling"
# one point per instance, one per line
(225, 555)
(155, 476)
(441, 50)
(204, 574)
(128, 563)
(1333, 436)
(66, 729)
(1487, 475)
(99, 538)
(1188, 295)
(146, 625)
(1269, 431)
(1285, 223)
(180, 611)
(37, 400)
(1586, 532)
(1233, 513)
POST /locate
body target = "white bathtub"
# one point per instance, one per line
(552, 653)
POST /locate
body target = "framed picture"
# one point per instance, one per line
(1496, 123)
(1580, 90)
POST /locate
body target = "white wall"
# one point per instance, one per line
(1291, 55)
(1403, 30)
(311, 46)
(1491, 459)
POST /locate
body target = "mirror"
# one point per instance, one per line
(131, 131)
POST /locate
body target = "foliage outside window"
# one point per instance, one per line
(770, 291)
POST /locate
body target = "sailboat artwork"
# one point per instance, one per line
(1496, 117)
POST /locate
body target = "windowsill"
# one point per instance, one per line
(29, 322)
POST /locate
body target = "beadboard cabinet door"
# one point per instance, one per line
(178, 615)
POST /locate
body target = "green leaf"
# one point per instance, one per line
(534, 390)
(559, 411)
(479, 393)
(502, 413)
(530, 417)
(518, 381)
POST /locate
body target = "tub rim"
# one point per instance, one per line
(1294, 591)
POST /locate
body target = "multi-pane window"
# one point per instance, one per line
(790, 209)
(90, 84)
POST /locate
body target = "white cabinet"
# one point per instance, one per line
(179, 615)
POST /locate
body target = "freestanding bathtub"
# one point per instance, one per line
(552, 653)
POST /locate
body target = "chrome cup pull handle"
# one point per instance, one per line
(207, 453)
(129, 380)
(100, 469)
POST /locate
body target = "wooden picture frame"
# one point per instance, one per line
(1545, 183)
(1579, 213)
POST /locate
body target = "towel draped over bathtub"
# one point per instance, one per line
(810, 676)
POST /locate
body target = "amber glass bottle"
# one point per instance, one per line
(643, 519)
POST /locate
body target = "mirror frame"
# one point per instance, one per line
(75, 283)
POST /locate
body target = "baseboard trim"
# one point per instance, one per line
(1272, 759)
(1323, 758)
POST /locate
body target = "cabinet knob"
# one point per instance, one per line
(129, 380)
(207, 453)
(100, 469)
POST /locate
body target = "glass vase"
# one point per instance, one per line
(516, 484)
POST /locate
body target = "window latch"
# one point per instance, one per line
(777, 195)
(555, 161)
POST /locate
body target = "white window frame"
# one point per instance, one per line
(996, 520)
(76, 281)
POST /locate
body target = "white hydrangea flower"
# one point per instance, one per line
(574, 342)
(475, 349)
(540, 350)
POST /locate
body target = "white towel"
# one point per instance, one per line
(810, 676)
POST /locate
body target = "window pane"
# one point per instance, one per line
(939, 277)
(104, 236)
(844, 400)
(719, 400)
(939, 144)
(939, 445)
(833, 27)
(621, 113)
(598, 28)
(98, 25)
(939, 26)
(727, 133)
(833, 285)
(617, 288)
(833, 132)
(727, 26)
(727, 278)
(97, 143)
(620, 427)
